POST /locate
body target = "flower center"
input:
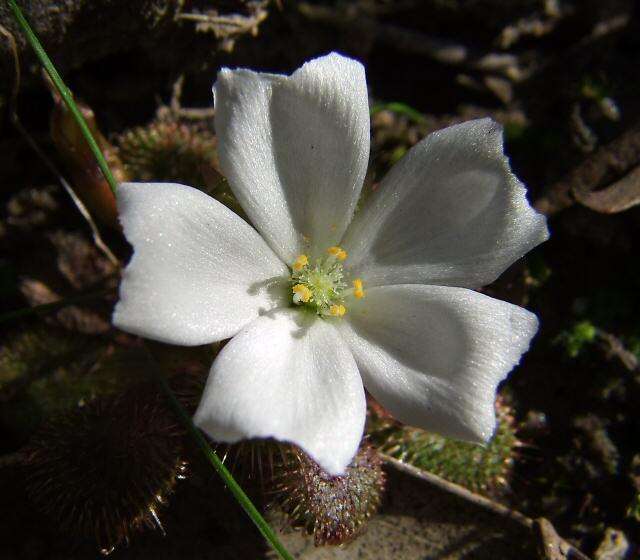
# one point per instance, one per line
(321, 286)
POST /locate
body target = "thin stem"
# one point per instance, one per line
(544, 532)
(460, 491)
(64, 92)
(262, 525)
(13, 112)
(218, 465)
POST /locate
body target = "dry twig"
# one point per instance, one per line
(227, 28)
(619, 158)
(551, 545)
(440, 49)
(175, 110)
(613, 346)
(97, 238)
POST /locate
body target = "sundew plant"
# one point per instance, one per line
(321, 295)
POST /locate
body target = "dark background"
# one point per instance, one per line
(563, 77)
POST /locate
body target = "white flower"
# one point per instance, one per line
(319, 303)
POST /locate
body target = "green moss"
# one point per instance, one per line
(400, 109)
(538, 272)
(45, 371)
(35, 363)
(29, 351)
(577, 338)
(397, 154)
(514, 131)
(541, 141)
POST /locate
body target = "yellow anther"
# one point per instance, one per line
(337, 310)
(358, 289)
(301, 293)
(337, 252)
(300, 263)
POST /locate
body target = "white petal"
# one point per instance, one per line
(289, 376)
(199, 273)
(434, 355)
(295, 149)
(451, 212)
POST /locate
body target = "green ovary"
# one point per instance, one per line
(321, 286)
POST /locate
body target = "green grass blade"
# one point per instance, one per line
(400, 109)
(65, 93)
(246, 503)
(238, 493)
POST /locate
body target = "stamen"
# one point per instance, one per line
(301, 293)
(337, 310)
(358, 290)
(300, 262)
(320, 284)
(337, 252)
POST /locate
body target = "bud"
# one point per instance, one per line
(86, 177)
(334, 509)
(104, 470)
(168, 151)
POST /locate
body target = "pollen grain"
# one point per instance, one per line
(300, 262)
(337, 310)
(358, 289)
(301, 293)
(337, 252)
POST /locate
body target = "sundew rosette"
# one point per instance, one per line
(320, 303)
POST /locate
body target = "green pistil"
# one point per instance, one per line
(325, 280)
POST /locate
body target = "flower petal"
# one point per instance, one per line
(451, 212)
(199, 273)
(289, 376)
(295, 149)
(434, 355)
